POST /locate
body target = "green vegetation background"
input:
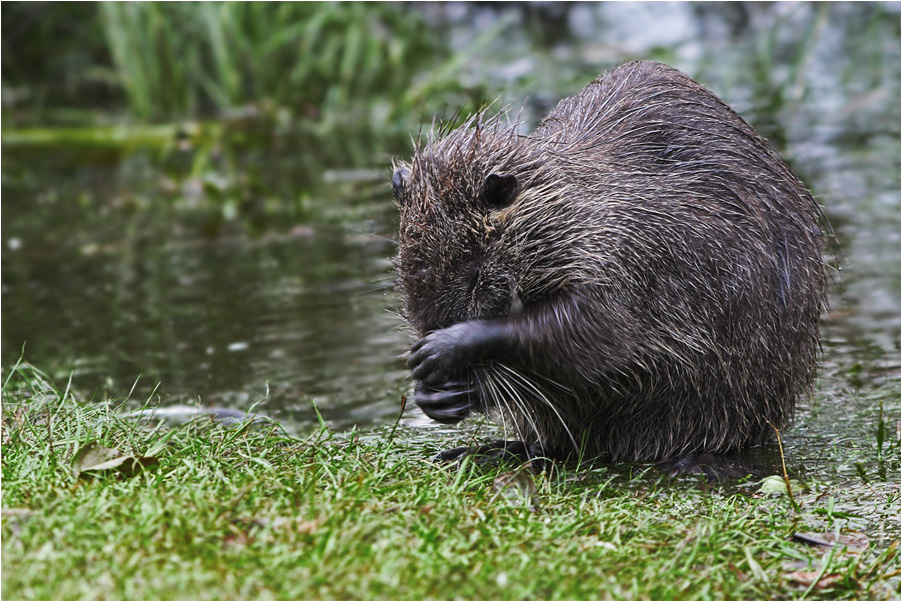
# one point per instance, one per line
(372, 63)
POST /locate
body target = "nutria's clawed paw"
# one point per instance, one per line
(440, 354)
(447, 403)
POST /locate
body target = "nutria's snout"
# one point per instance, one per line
(397, 182)
(622, 281)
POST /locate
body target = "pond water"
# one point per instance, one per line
(103, 278)
(232, 272)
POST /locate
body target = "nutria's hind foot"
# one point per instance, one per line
(715, 467)
(497, 452)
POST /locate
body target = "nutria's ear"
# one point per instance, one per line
(397, 182)
(499, 191)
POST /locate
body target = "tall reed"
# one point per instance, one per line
(177, 59)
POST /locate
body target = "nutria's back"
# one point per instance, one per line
(640, 277)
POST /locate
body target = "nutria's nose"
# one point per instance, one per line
(397, 182)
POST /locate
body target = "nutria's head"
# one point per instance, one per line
(455, 260)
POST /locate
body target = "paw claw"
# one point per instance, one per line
(447, 404)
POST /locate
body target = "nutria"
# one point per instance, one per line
(639, 279)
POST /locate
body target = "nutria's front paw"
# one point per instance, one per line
(448, 403)
(440, 354)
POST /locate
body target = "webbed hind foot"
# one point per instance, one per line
(714, 467)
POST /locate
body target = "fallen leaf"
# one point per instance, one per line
(297, 525)
(806, 578)
(93, 459)
(775, 485)
(517, 488)
(853, 541)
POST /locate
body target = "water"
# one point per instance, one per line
(117, 293)
(228, 275)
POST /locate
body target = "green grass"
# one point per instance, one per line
(240, 513)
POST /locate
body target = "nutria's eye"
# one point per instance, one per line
(499, 191)
(397, 182)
